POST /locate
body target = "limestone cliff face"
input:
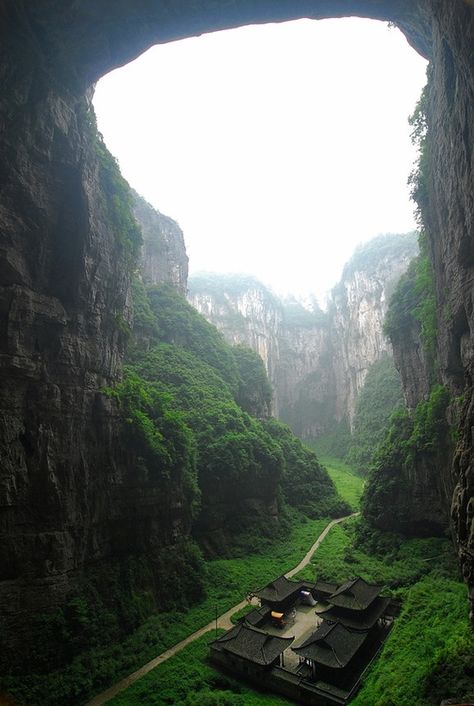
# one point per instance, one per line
(292, 342)
(448, 214)
(305, 379)
(357, 312)
(70, 496)
(245, 311)
(164, 258)
(316, 362)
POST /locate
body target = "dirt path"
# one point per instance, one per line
(223, 621)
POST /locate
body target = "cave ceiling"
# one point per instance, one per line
(81, 40)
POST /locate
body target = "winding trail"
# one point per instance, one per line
(223, 621)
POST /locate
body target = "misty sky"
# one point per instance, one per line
(277, 148)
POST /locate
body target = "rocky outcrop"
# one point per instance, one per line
(305, 378)
(357, 313)
(64, 286)
(164, 258)
(316, 362)
(70, 496)
(448, 213)
(246, 313)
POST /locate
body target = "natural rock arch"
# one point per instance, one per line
(65, 496)
(86, 40)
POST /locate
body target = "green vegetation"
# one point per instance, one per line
(419, 177)
(348, 484)
(188, 368)
(186, 438)
(254, 393)
(159, 435)
(413, 304)
(188, 680)
(381, 394)
(108, 658)
(305, 483)
(335, 443)
(414, 301)
(116, 195)
(229, 580)
(386, 444)
(235, 456)
(239, 614)
(368, 256)
(428, 656)
(352, 549)
(179, 324)
(144, 322)
(411, 436)
(430, 653)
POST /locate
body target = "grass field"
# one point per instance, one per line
(348, 484)
(400, 564)
(430, 652)
(227, 583)
(429, 655)
(188, 680)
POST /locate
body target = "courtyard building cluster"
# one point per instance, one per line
(311, 642)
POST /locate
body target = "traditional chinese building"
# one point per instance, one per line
(281, 594)
(330, 653)
(248, 650)
(356, 604)
(325, 665)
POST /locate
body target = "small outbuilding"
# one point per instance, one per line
(281, 594)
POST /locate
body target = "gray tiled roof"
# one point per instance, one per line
(279, 590)
(354, 595)
(331, 645)
(257, 615)
(358, 620)
(253, 644)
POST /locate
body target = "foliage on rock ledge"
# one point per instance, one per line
(411, 437)
(247, 469)
(414, 300)
(381, 394)
(118, 200)
(413, 304)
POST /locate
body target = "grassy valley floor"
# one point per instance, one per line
(227, 582)
(428, 656)
(188, 680)
(349, 485)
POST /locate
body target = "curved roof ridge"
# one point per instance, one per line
(345, 587)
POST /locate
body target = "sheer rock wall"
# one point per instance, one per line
(70, 493)
(249, 316)
(357, 312)
(164, 258)
(316, 362)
